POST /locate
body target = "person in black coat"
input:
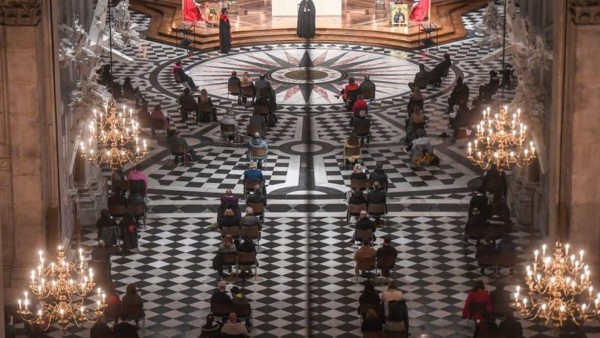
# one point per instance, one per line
(357, 197)
(440, 70)
(306, 19)
(224, 32)
(379, 175)
(129, 234)
(365, 223)
(459, 94)
(125, 329)
(481, 202)
(100, 329)
(376, 196)
(369, 296)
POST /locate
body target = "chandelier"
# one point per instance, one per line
(61, 288)
(500, 140)
(559, 288)
(113, 139)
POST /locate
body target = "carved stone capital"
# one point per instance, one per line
(585, 12)
(20, 12)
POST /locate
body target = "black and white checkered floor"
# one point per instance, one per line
(306, 285)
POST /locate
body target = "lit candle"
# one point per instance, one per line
(32, 276)
(82, 311)
(581, 255)
(98, 304)
(535, 254)
(103, 298)
(99, 293)
(62, 313)
(567, 249)
(19, 304)
(544, 250)
(590, 289)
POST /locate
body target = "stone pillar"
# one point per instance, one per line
(574, 184)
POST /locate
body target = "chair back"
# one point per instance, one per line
(220, 310)
(247, 91)
(258, 152)
(137, 187)
(351, 150)
(233, 231)
(362, 128)
(117, 210)
(263, 92)
(353, 140)
(506, 260)
(368, 93)
(145, 119)
(177, 149)
(252, 129)
(228, 259)
(365, 263)
(250, 183)
(158, 124)
(242, 310)
(476, 232)
(262, 110)
(361, 235)
(355, 209)
(205, 108)
(360, 183)
(138, 210)
(233, 89)
(386, 261)
(246, 258)
(376, 208)
(259, 208)
(227, 129)
(252, 232)
(486, 259)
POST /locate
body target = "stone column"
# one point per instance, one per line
(574, 184)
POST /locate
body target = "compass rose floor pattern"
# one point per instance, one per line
(306, 284)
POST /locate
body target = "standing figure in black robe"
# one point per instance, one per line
(224, 32)
(306, 19)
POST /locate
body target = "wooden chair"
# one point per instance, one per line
(233, 90)
(227, 130)
(248, 93)
(361, 184)
(205, 112)
(252, 129)
(117, 210)
(366, 264)
(258, 154)
(505, 260)
(178, 150)
(247, 261)
(352, 153)
(243, 311)
(220, 310)
(476, 233)
(251, 232)
(233, 231)
(387, 262)
(229, 259)
(382, 183)
(360, 235)
(139, 212)
(259, 209)
(137, 187)
(263, 110)
(354, 210)
(249, 185)
(157, 125)
(362, 129)
(377, 209)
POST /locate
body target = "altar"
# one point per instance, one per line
(322, 7)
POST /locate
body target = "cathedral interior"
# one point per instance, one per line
(304, 284)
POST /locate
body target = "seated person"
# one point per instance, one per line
(421, 79)
(357, 197)
(132, 305)
(461, 119)
(478, 223)
(485, 254)
(480, 201)
(207, 106)
(238, 298)
(258, 122)
(246, 246)
(365, 251)
(227, 246)
(253, 173)
(365, 223)
(229, 219)
(234, 81)
(220, 296)
(181, 76)
(376, 196)
(107, 228)
(138, 175)
(247, 83)
(358, 173)
(362, 125)
(459, 94)
(249, 220)
(229, 119)
(501, 299)
(158, 114)
(416, 100)
(487, 90)
(174, 140)
(124, 329)
(257, 196)
(188, 104)
(386, 250)
(369, 296)
(351, 86)
(415, 126)
(257, 142)
(229, 199)
(510, 327)
(116, 90)
(211, 329)
(367, 87)
(359, 104)
(234, 328)
(378, 175)
(117, 197)
(440, 70)
(128, 91)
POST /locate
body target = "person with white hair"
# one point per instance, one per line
(233, 327)
(249, 220)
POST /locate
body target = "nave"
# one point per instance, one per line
(306, 284)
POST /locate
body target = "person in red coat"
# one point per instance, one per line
(479, 304)
(360, 104)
